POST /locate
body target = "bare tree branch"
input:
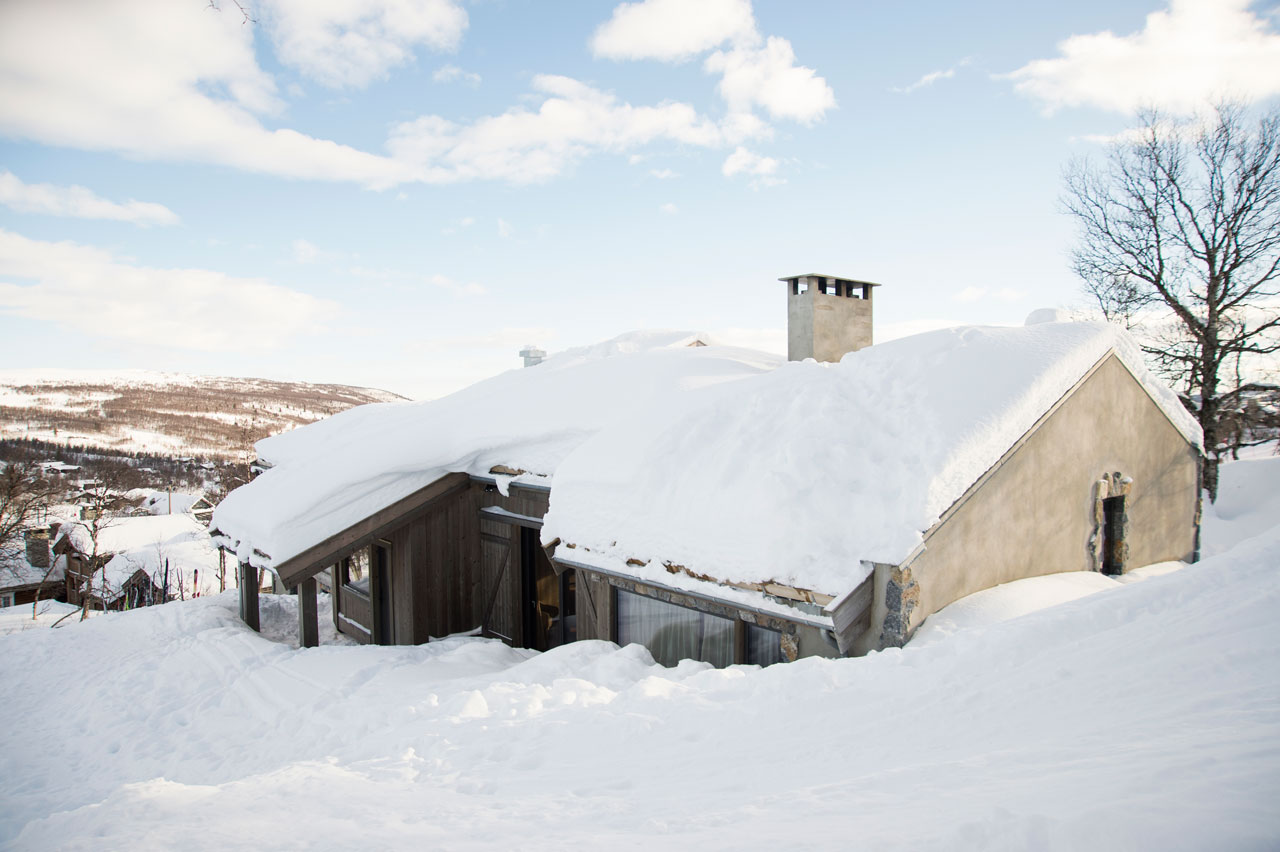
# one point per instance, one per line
(1186, 218)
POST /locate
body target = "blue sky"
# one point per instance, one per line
(399, 193)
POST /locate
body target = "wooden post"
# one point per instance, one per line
(308, 626)
(249, 595)
(335, 576)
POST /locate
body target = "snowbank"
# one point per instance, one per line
(1010, 600)
(330, 474)
(1136, 719)
(14, 619)
(1248, 503)
(798, 475)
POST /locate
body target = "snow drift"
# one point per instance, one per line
(1137, 717)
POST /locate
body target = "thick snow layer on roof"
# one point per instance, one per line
(798, 475)
(333, 473)
(16, 571)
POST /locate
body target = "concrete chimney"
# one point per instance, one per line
(37, 547)
(827, 316)
(532, 355)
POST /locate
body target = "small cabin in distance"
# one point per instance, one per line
(827, 316)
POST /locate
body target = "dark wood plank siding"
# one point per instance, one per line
(595, 607)
(499, 557)
(447, 567)
(406, 552)
(355, 608)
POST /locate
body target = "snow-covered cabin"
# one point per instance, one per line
(140, 560)
(718, 503)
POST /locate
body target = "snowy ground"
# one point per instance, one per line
(14, 619)
(1143, 716)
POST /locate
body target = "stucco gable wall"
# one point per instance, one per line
(1034, 514)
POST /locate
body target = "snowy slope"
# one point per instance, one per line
(1248, 502)
(173, 414)
(1135, 718)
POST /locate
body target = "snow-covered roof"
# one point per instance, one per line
(145, 542)
(328, 475)
(797, 476)
(16, 571)
(727, 461)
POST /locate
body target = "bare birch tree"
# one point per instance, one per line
(1185, 217)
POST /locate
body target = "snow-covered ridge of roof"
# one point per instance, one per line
(799, 475)
(331, 474)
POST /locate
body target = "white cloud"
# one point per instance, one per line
(305, 252)
(92, 292)
(78, 202)
(1184, 57)
(670, 209)
(504, 228)
(931, 78)
(525, 145)
(663, 174)
(185, 86)
(467, 221)
(350, 43)
(928, 80)
(672, 30)
(469, 288)
(755, 71)
(453, 74)
(742, 161)
(175, 81)
(768, 76)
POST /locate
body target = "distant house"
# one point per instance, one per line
(30, 570)
(140, 560)
(719, 504)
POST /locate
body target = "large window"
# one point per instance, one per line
(764, 646)
(673, 633)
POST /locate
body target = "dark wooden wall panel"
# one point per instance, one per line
(595, 607)
(448, 578)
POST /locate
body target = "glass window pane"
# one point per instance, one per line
(356, 571)
(674, 633)
(764, 647)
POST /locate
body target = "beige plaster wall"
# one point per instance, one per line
(1034, 515)
(824, 326)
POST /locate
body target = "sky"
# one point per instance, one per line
(402, 193)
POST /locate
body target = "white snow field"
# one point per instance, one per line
(1143, 716)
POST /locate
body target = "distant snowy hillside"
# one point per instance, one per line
(1145, 715)
(171, 414)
